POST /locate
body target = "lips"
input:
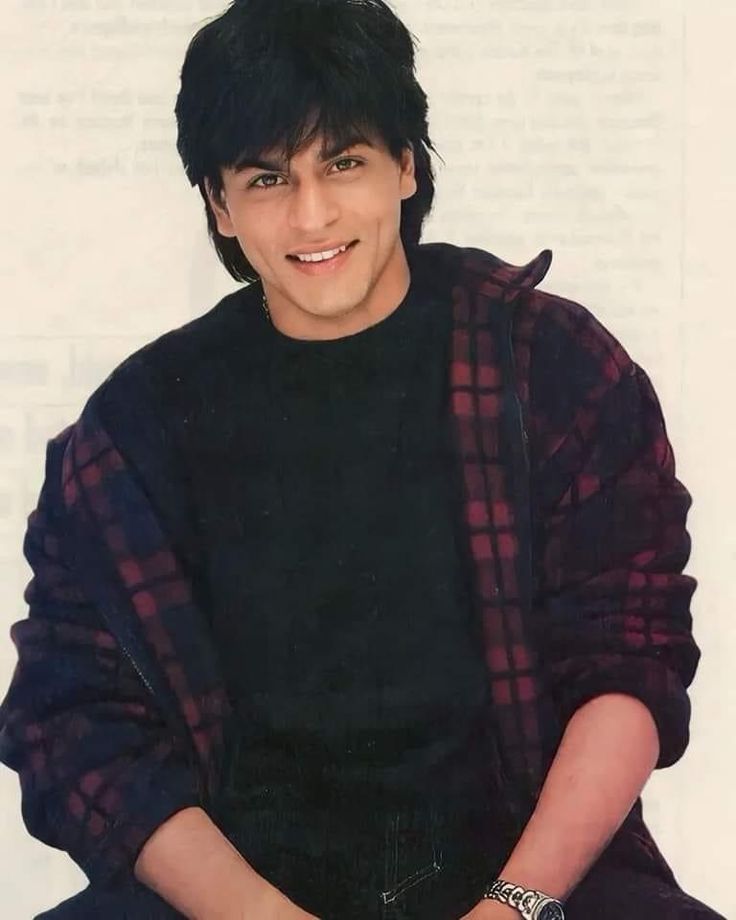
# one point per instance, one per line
(323, 266)
(325, 249)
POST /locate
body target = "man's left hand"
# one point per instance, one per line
(491, 910)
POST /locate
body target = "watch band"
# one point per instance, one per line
(531, 903)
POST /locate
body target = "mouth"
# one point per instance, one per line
(323, 266)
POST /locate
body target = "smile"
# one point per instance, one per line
(323, 263)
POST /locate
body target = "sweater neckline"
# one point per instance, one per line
(385, 328)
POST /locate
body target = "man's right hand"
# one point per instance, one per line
(275, 906)
(195, 868)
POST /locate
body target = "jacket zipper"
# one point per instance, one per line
(201, 789)
(177, 717)
(517, 802)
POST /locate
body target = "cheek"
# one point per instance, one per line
(253, 240)
(383, 215)
(373, 199)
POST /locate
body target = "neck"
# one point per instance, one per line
(385, 295)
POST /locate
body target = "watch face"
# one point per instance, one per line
(551, 912)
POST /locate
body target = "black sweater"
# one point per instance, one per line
(345, 512)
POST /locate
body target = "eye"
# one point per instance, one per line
(254, 182)
(347, 160)
(263, 176)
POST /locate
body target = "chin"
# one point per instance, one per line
(332, 308)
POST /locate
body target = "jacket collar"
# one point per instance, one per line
(483, 271)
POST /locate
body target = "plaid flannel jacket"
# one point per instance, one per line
(116, 713)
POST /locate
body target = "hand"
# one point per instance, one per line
(488, 909)
(291, 911)
(275, 906)
(284, 909)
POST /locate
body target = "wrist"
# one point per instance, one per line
(275, 905)
(248, 896)
(494, 910)
(522, 901)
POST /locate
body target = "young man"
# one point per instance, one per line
(362, 594)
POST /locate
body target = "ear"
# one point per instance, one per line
(407, 178)
(219, 209)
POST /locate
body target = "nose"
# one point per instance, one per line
(312, 208)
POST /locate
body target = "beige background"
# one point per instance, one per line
(602, 129)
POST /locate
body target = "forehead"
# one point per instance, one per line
(325, 147)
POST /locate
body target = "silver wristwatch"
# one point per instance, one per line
(531, 903)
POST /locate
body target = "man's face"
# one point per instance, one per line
(277, 209)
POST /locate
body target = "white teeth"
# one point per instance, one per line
(321, 256)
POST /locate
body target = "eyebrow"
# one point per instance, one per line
(328, 154)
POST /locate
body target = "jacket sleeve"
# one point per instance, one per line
(98, 765)
(612, 602)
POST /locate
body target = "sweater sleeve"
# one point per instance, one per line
(612, 602)
(99, 765)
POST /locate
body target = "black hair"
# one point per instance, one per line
(273, 74)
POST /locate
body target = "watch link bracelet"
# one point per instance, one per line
(531, 903)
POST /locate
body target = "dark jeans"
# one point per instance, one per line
(351, 863)
(354, 863)
(610, 892)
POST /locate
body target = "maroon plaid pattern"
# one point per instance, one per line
(116, 712)
(610, 607)
(98, 764)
